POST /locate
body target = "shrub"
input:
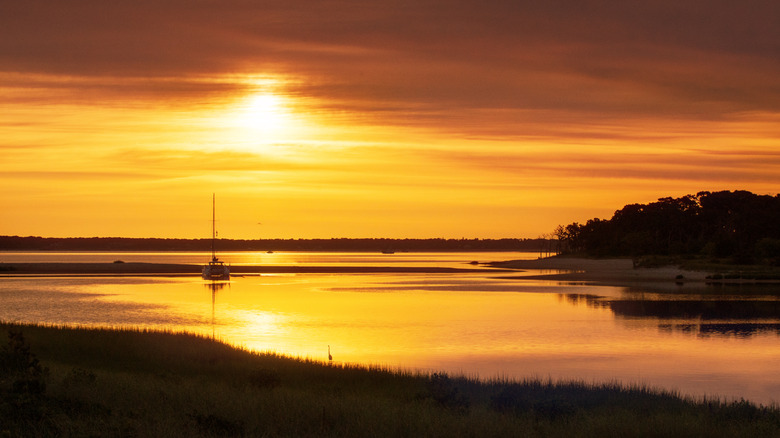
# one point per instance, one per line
(22, 380)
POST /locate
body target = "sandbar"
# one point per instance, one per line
(169, 269)
(616, 271)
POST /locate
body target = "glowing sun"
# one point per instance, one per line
(265, 114)
(264, 121)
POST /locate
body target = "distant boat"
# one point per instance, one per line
(216, 269)
(388, 251)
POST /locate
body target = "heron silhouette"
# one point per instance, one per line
(330, 358)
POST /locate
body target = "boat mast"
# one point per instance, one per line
(213, 224)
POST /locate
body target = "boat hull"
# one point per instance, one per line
(216, 271)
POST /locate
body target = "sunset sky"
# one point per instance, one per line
(424, 118)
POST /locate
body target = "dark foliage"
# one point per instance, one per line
(739, 226)
(22, 382)
(444, 390)
(264, 379)
(214, 425)
(520, 400)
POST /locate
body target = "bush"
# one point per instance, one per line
(443, 390)
(769, 250)
(22, 380)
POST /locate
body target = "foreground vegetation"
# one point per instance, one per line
(91, 382)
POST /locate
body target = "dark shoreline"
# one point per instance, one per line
(168, 269)
(622, 272)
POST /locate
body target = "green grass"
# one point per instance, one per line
(96, 382)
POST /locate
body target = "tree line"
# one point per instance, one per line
(34, 243)
(736, 225)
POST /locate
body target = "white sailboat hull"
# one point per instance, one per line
(216, 270)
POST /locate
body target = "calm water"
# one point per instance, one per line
(725, 343)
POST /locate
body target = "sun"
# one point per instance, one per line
(265, 120)
(265, 114)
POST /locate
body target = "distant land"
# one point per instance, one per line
(33, 243)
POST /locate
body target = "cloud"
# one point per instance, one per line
(200, 162)
(90, 176)
(690, 59)
(704, 167)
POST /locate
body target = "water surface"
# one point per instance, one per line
(723, 342)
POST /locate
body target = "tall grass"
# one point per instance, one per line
(99, 382)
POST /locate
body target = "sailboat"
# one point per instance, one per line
(216, 269)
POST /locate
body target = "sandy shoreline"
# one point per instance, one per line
(618, 271)
(611, 272)
(600, 271)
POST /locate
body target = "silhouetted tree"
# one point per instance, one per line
(719, 224)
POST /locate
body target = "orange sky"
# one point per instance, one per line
(377, 119)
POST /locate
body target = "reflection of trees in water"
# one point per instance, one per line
(744, 289)
(737, 329)
(697, 309)
(594, 301)
(709, 317)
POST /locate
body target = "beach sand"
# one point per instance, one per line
(164, 269)
(600, 271)
(612, 272)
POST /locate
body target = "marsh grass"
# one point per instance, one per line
(99, 382)
(720, 269)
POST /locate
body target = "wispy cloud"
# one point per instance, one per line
(685, 59)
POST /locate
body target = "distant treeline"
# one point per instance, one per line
(16, 243)
(740, 226)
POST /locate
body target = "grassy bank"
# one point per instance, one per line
(85, 382)
(723, 268)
